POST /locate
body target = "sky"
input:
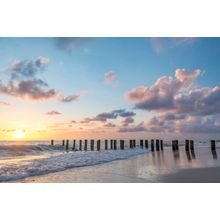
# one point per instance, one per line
(66, 88)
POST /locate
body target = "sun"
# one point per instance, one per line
(19, 134)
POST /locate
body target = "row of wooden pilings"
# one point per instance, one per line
(154, 144)
(189, 145)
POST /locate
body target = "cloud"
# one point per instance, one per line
(28, 89)
(71, 98)
(178, 104)
(138, 128)
(161, 44)
(28, 68)
(104, 116)
(110, 79)
(109, 125)
(127, 121)
(53, 113)
(4, 104)
(70, 43)
(166, 93)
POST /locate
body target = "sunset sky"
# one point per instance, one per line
(109, 87)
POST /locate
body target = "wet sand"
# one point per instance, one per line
(165, 166)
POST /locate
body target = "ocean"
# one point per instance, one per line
(24, 159)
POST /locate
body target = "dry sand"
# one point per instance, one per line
(166, 166)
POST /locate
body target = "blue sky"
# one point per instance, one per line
(78, 67)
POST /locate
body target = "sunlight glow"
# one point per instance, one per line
(19, 134)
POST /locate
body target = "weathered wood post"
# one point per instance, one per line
(92, 145)
(146, 144)
(111, 144)
(122, 144)
(161, 144)
(213, 145)
(173, 145)
(98, 145)
(115, 144)
(63, 142)
(67, 145)
(131, 143)
(106, 144)
(141, 143)
(176, 145)
(85, 145)
(134, 143)
(80, 145)
(157, 145)
(152, 145)
(52, 142)
(74, 145)
(191, 145)
(187, 145)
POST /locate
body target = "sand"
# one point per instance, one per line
(157, 167)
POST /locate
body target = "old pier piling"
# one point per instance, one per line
(92, 145)
(98, 145)
(152, 145)
(63, 142)
(157, 145)
(161, 144)
(122, 144)
(67, 145)
(175, 145)
(74, 145)
(111, 144)
(115, 144)
(80, 145)
(191, 142)
(85, 145)
(52, 142)
(130, 143)
(213, 145)
(141, 143)
(106, 144)
(146, 144)
(187, 145)
(134, 143)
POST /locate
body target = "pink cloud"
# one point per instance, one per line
(53, 113)
(6, 104)
(110, 78)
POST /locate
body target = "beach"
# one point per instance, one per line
(202, 165)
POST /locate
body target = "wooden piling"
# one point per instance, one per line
(152, 145)
(52, 142)
(131, 143)
(141, 143)
(74, 145)
(106, 144)
(187, 145)
(176, 145)
(134, 143)
(146, 144)
(213, 145)
(80, 145)
(85, 145)
(122, 144)
(161, 144)
(111, 144)
(115, 144)
(98, 145)
(157, 145)
(92, 145)
(67, 145)
(63, 142)
(191, 142)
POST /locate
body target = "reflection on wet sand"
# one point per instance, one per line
(214, 154)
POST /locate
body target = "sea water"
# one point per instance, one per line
(23, 159)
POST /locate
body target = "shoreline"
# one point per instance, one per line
(154, 167)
